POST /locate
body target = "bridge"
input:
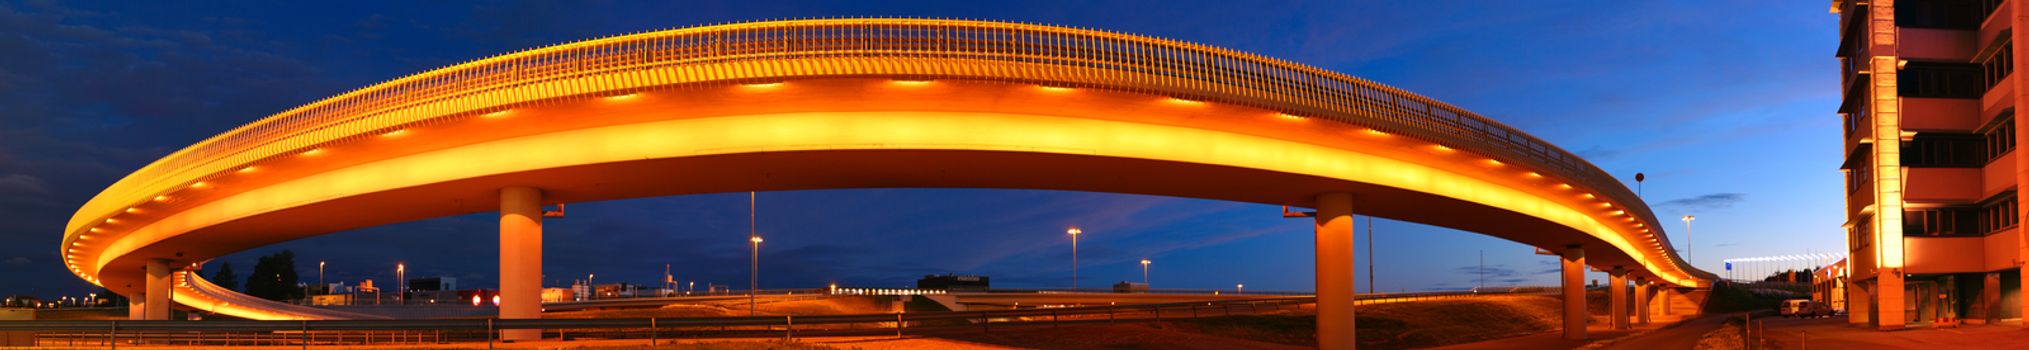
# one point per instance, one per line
(860, 103)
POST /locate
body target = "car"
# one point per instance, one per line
(1801, 308)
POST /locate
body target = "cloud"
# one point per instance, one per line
(1708, 202)
(21, 184)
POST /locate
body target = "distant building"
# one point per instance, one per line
(433, 283)
(952, 282)
(1130, 287)
(552, 295)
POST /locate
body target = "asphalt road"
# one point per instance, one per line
(1682, 337)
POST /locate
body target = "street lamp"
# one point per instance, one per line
(1687, 239)
(320, 275)
(1239, 288)
(591, 292)
(401, 283)
(753, 273)
(1074, 231)
(1144, 272)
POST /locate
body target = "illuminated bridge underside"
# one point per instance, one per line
(853, 104)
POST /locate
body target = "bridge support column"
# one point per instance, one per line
(1335, 271)
(1888, 296)
(1573, 278)
(137, 307)
(1663, 296)
(157, 306)
(1617, 302)
(520, 259)
(1641, 301)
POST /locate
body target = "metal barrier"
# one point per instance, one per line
(349, 332)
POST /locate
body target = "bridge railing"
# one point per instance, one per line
(776, 51)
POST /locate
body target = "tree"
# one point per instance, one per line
(225, 278)
(274, 277)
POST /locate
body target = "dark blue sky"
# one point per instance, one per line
(1726, 105)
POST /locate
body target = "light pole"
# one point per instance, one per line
(1074, 231)
(1687, 240)
(590, 291)
(1239, 289)
(1144, 272)
(753, 274)
(401, 284)
(320, 276)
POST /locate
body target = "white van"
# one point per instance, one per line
(1803, 308)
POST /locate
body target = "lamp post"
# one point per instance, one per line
(320, 276)
(753, 274)
(1239, 289)
(1687, 240)
(401, 284)
(590, 291)
(1074, 231)
(1144, 272)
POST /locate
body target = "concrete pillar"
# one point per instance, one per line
(158, 291)
(1888, 295)
(2019, 15)
(1858, 303)
(1574, 292)
(137, 307)
(1335, 271)
(1641, 301)
(1663, 296)
(1617, 298)
(520, 259)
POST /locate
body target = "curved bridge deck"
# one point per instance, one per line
(855, 103)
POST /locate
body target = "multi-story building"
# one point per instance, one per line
(1931, 168)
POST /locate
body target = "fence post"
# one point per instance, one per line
(113, 336)
(1109, 314)
(651, 331)
(1053, 318)
(899, 325)
(489, 334)
(305, 336)
(789, 332)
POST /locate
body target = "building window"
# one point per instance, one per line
(2000, 138)
(1940, 14)
(1999, 65)
(1941, 221)
(1941, 80)
(1999, 214)
(1931, 150)
(1860, 174)
(1862, 232)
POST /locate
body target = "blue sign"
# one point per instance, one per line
(1729, 266)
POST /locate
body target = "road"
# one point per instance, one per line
(1683, 336)
(1835, 333)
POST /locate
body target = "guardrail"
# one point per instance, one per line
(355, 332)
(775, 51)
